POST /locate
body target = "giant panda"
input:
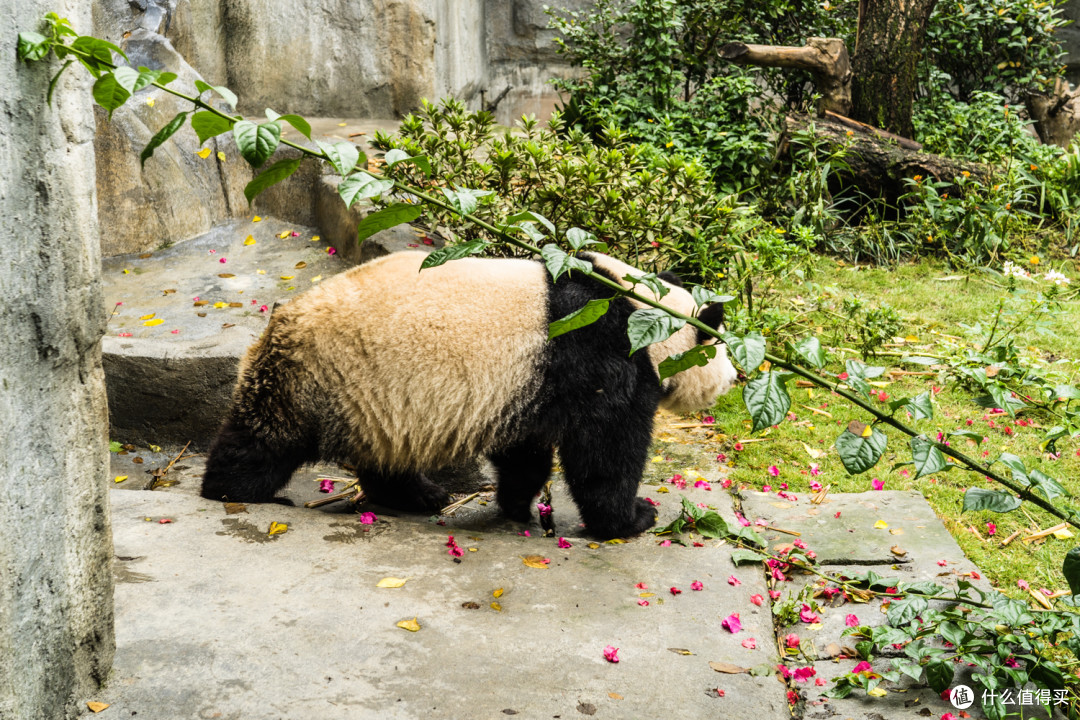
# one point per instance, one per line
(400, 372)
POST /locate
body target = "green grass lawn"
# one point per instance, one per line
(941, 317)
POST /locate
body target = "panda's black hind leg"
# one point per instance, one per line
(523, 469)
(242, 467)
(410, 491)
(603, 466)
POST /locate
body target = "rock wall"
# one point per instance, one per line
(56, 612)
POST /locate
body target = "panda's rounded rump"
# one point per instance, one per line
(409, 354)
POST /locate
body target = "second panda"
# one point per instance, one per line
(400, 372)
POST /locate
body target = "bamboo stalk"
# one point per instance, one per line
(782, 530)
(1006, 541)
(816, 411)
(457, 504)
(1047, 532)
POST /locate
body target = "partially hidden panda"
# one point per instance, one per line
(399, 372)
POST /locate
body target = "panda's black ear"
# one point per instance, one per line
(670, 278)
(713, 316)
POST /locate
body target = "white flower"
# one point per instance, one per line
(1055, 277)
(1015, 270)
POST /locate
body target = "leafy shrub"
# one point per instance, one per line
(655, 209)
(999, 46)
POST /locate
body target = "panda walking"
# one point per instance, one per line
(400, 372)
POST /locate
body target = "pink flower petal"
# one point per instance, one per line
(732, 623)
(326, 486)
(564, 543)
(643, 603)
(641, 586)
(807, 615)
(851, 621)
(697, 585)
(757, 600)
(676, 591)
(750, 644)
(734, 581)
(877, 484)
(611, 654)
(791, 641)
(367, 518)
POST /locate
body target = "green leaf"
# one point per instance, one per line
(691, 510)
(109, 93)
(296, 121)
(256, 142)
(810, 350)
(465, 200)
(395, 156)
(952, 633)
(711, 525)
(115, 446)
(862, 371)
(207, 125)
(859, 453)
(1066, 392)
(968, 434)
(651, 281)
(587, 315)
(766, 399)
(927, 457)
(559, 262)
(128, 77)
(528, 215)
(903, 611)
(1004, 399)
(388, 217)
(749, 536)
(703, 296)
(748, 350)
(919, 360)
(162, 135)
(453, 252)
(362, 186)
(270, 176)
(939, 675)
(741, 555)
(697, 356)
(998, 501)
(651, 325)
(1070, 568)
(921, 407)
(343, 156)
(32, 46)
(229, 95)
(99, 53)
(579, 238)
(1047, 485)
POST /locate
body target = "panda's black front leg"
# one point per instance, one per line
(523, 469)
(603, 468)
(410, 491)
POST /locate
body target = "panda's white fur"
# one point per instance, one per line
(401, 371)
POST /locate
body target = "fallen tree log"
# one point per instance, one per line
(878, 163)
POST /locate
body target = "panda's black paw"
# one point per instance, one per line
(517, 513)
(644, 517)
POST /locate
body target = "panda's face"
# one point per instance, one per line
(696, 388)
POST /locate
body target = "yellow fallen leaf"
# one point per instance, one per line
(315, 238)
(593, 545)
(474, 549)
(680, 651)
(284, 234)
(391, 582)
(150, 102)
(277, 528)
(341, 124)
(287, 277)
(221, 156)
(813, 452)
(535, 561)
(881, 525)
(155, 448)
(147, 317)
(911, 338)
(898, 551)
(896, 531)
(410, 625)
(97, 707)
(1063, 534)
(316, 279)
(220, 305)
(496, 606)
(615, 696)
(126, 271)
(815, 626)
(249, 240)
(152, 323)
(877, 692)
(256, 219)
(867, 431)
(615, 541)
(204, 153)
(120, 478)
(497, 594)
(260, 272)
(662, 489)
(646, 594)
(300, 265)
(658, 458)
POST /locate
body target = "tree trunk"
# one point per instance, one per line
(879, 164)
(1057, 114)
(826, 58)
(887, 48)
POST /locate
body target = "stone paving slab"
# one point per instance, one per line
(215, 618)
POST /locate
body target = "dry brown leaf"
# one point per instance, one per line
(226, 275)
(169, 291)
(234, 508)
(300, 265)
(898, 551)
(236, 304)
(615, 696)
(680, 651)
(535, 561)
(410, 625)
(143, 256)
(391, 582)
(723, 667)
(97, 706)
(470, 605)
(896, 531)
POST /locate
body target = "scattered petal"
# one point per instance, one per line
(732, 623)
(757, 600)
(851, 621)
(326, 486)
(249, 240)
(410, 625)
(791, 640)
(750, 644)
(807, 615)
(611, 654)
(204, 153)
(698, 586)
(536, 561)
(643, 603)
(277, 528)
(877, 484)
(564, 543)
(367, 518)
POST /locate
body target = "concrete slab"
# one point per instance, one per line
(216, 618)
